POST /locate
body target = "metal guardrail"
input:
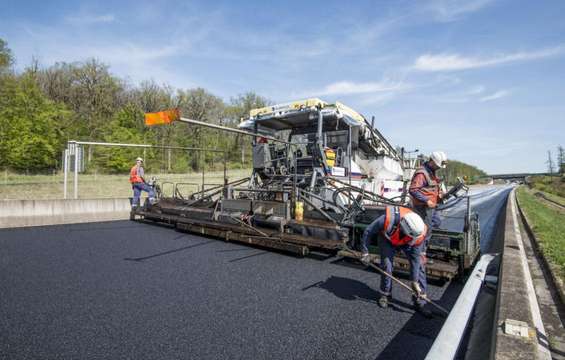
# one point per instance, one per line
(447, 342)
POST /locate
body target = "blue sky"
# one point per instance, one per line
(482, 80)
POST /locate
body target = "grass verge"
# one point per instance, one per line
(548, 225)
(557, 199)
(90, 186)
(549, 184)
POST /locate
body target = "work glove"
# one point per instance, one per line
(365, 259)
(417, 290)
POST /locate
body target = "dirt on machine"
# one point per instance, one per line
(321, 174)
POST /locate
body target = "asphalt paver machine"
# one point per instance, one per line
(318, 179)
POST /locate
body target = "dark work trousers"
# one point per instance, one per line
(138, 188)
(388, 251)
(426, 214)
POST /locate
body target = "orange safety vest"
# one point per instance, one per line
(133, 177)
(392, 227)
(432, 191)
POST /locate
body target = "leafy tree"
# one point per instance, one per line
(199, 104)
(150, 96)
(122, 128)
(243, 103)
(239, 108)
(30, 126)
(6, 58)
(89, 90)
(455, 169)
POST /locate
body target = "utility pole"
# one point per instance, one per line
(560, 159)
(549, 163)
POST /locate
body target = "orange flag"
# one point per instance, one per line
(162, 117)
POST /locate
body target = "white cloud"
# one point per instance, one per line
(128, 52)
(448, 99)
(497, 95)
(377, 99)
(474, 94)
(450, 10)
(350, 88)
(132, 59)
(454, 62)
(476, 90)
(87, 19)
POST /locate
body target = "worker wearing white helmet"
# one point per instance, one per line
(138, 184)
(426, 193)
(425, 187)
(398, 229)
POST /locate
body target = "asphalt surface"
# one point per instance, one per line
(487, 201)
(126, 290)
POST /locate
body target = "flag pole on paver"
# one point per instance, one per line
(162, 117)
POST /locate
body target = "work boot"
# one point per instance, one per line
(384, 300)
(420, 308)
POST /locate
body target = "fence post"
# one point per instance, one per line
(225, 170)
(203, 160)
(168, 161)
(65, 171)
(75, 151)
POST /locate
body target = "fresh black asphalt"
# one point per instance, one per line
(127, 290)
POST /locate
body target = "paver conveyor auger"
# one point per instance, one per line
(321, 173)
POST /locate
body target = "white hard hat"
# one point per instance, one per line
(439, 158)
(412, 225)
(139, 159)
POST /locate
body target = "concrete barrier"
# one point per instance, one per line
(17, 213)
(520, 333)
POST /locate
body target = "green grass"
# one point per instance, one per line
(91, 186)
(549, 184)
(557, 199)
(548, 225)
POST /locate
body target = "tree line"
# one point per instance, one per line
(469, 173)
(556, 166)
(41, 108)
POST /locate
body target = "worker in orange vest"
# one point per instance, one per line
(138, 184)
(398, 229)
(426, 193)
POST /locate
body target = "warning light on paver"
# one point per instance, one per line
(162, 117)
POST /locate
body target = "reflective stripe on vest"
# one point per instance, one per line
(133, 177)
(431, 191)
(392, 227)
